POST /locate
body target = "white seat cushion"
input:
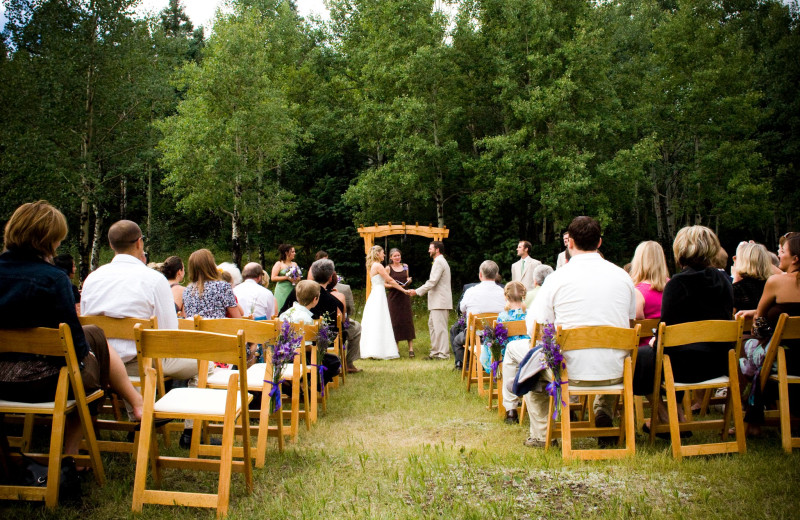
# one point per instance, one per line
(10, 406)
(596, 389)
(220, 376)
(195, 401)
(722, 380)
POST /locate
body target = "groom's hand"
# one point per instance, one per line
(412, 292)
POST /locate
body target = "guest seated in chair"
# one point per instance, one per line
(35, 293)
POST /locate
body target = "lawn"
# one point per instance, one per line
(403, 439)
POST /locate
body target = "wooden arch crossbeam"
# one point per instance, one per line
(369, 234)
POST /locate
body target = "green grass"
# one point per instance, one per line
(403, 439)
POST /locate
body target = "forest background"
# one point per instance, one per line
(500, 119)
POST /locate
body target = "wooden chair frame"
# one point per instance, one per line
(786, 328)
(582, 338)
(122, 328)
(646, 329)
(515, 328)
(264, 332)
(205, 347)
(714, 331)
(56, 343)
(475, 322)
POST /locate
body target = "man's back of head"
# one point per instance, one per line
(252, 271)
(489, 270)
(586, 233)
(322, 270)
(123, 235)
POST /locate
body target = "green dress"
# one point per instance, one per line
(282, 289)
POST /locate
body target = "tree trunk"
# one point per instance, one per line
(84, 251)
(149, 199)
(123, 198)
(87, 143)
(98, 226)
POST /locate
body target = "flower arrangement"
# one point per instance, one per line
(461, 324)
(294, 273)
(496, 339)
(283, 352)
(324, 338)
(554, 362)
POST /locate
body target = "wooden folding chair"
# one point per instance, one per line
(200, 404)
(582, 338)
(122, 328)
(475, 323)
(298, 375)
(648, 329)
(787, 328)
(260, 332)
(515, 328)
(56, 343)
(709, 331)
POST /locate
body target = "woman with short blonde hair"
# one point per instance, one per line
(751, 268)
(696, 247)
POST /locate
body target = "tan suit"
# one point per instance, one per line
(524, 275)
(440, 301)
(353, 327)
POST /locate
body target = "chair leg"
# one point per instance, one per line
(639, 412)
(56, 442)
(672, 409)
(566, 433)
(628, 405)
(783, 402)
(145, 438)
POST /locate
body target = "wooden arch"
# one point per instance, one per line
(369, 234)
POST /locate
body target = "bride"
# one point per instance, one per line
(377, 337)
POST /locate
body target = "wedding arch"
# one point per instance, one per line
(369, 234)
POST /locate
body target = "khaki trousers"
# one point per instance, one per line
(437, 327)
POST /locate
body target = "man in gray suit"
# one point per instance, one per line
(440, 301)
(353, 332)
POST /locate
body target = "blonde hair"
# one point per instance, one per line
(372, 256)
(696, 247)
(202, 268)
(306, 291)
(36, 226)
(514, 292)
(649, 263)
(752, 261)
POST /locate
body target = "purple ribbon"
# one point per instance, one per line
(321, 380)
(554, 389)
(275, 393)
(495, 364)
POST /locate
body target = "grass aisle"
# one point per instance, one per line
(403, 439)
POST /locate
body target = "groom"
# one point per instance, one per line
(440, 301)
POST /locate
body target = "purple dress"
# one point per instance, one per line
(400, 309)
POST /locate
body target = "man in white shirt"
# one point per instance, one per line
(256, 300)
(589, 291)
(522, 270)
(487, 296)
(127, 288)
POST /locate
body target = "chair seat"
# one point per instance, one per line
(195, 401)
(717, 381)
(220, 376)
(605, 389)
(135, 379)
(48, 407)
(789, 378)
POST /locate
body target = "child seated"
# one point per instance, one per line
(307, 298)
(515, 310)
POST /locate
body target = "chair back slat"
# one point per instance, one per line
(580, 338)
(707, 331)
(786, 328)
(647, 327)
(262, 331)
(203, 346)
(118, 328)
(186, 324)
(515, 327)
(40, 340)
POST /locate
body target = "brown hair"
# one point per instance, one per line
(171, 266)
(585, 232)
(695, 247)
(514, 292)
(792, 245)
(202, 268)
(306, 291)
(122, 235)
(37, 227)
(437, 244)
(283, 250)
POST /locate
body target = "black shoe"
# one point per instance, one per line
(603, 420)
(459, 365)
(186, 440)
(512, 417)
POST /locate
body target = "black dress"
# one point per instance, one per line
(400, 309)
(747, 292)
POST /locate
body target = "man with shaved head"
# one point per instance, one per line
(256, 300)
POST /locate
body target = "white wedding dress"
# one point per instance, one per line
(377, 336)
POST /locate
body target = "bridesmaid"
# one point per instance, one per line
(400, 302)
(283, 283)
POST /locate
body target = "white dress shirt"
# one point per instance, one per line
(487, 296)
(255, 299)
(126, 288)
(587, 291)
